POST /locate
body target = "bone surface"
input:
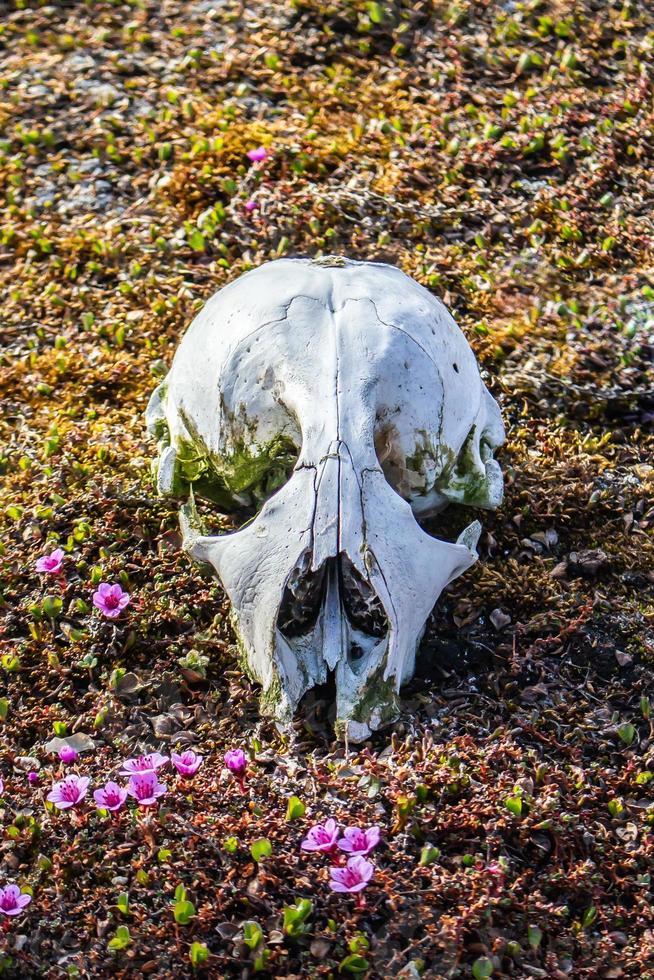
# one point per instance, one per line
(336, 404)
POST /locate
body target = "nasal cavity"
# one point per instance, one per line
(304, 598)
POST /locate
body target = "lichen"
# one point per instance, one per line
(378, 702)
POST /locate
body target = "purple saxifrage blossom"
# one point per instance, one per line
(144, 763)
(354, 877)
(50, 564)
(145, 788)
(236, 762)
(322, 837)
(67, 753)
(12, 900)
(110, 600)
(257, 155)
(357, 841)
(186, 763)
(111, 797)
(69, 791)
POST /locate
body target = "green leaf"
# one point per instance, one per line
(198, 954)
(295, 917)
(514, 805)
(121, 940)
(534, 936)
(52, 606)
(4, 708)
(482, 968)
(354, 964)
(429, 854)
(615, 807)
(252, 934)
(60, 728)
(163, 855)
(261, 849)
(197, 241)
(180, 893)
(375, 12)
(231, 845)
(627, 733)
(122, 903)
(183, 912)
(295, 808)
(589, 917)
(358, 943)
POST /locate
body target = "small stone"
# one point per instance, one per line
(499, 619)
(587, 563)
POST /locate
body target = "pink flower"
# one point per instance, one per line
(353, 877)
(144, 763)
(145, 788)
(251, 205)
(360, 842)
(256, 155)
(236, 762)
(12, 900)
(110, 600)
(69, 791)
(67, 753)
(51, 564)
(33, 778)
(186, 764)
(110, 797)
(322, 837)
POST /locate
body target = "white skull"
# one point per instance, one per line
(342, 396)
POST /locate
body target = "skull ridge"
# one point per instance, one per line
(340, 401)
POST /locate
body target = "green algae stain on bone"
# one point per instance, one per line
(245, 475)
(379, 699)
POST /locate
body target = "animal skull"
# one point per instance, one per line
(341, 398)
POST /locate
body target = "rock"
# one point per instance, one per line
(587, 563)
(499, 619)
(79, 741)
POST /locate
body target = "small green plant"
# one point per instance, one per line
(198, 954)
(197, 662)
(295, 917)
(51, 606)
(514, 805)
(534, 936)
(354, 964)
(4, 709)
(429, 854)
(627, 733)
(122, 903)
(120, 940)
(252, 934)
(295, 808)
(11, 662)
(482, 968)
(183, 910)
(261, 849)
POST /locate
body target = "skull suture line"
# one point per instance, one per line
(342, 397)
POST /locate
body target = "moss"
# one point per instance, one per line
(271, 697)
(462, 479)
(379, 698)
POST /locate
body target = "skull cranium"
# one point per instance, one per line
(341, 398)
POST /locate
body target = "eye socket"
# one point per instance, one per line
(244, 480)
(392, 460)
